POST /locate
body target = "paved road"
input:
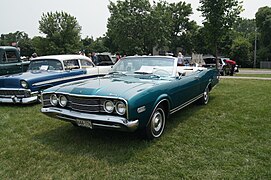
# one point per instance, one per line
(256, 71)
(251, 71)
(239, 77)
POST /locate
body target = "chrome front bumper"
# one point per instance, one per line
(97, 121)
(18, 96)
(19, 100)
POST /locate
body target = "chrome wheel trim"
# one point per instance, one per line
(206, 96)
(158, 122)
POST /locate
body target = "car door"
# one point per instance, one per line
(186, 89)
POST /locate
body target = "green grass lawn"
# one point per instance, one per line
(227, 139)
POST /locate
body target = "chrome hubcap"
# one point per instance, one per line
(157, 121)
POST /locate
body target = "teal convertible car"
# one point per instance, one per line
(138, 94)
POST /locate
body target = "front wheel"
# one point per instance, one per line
(156, 126)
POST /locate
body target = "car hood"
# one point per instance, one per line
(13, 81)
(124, 87)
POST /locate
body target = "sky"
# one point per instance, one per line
(92, 15)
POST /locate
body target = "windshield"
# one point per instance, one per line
(145, 65)
(45, 65)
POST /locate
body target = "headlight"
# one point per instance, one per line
(63, 100)
(109, 106)
(24, 84)
(53, 100)
(120, 108)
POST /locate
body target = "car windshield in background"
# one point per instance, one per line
(211, 60)
(145, 65)
(104, 60)
(45, 65)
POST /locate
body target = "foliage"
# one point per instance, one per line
(246, 28)
(227, 139)
(127, 25)
(263, 22)
(91, 45)
(181, 28)
(136, 27)
(219, 18)
(21, 40)
(62, 32)
(241, 52)
(201, 45)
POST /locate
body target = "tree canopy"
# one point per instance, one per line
(136, 26)
(263, 22)
(219, 18)
(62, 32)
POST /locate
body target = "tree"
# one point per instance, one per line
(245, 27)
(219, 17)
(263, 22)
(91, 45)
(181, 28)
(241, 52)
(62, 32)
(136, 26)
(127, 25)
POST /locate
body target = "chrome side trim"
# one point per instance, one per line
(186, 104)
(67, 78)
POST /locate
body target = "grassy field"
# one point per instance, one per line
(227, 139)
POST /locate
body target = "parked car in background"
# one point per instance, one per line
(104, 59)
(138, 94)
(224, 68)
(10, 61)
(45, 72)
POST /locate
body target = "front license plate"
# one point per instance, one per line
(84, 123)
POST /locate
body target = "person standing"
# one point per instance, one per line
(232, 65)
(180, 59)
(118, 57)
(94, 58)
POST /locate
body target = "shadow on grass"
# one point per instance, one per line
(112, 146)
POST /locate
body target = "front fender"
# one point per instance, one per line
(144, 107)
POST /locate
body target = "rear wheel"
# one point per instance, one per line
(205, 98)
(156, 126)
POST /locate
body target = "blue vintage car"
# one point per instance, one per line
(138, 94)
(45, 72)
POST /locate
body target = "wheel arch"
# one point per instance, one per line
(163, 100)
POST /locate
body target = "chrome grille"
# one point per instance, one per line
(85, 104)
(17, 93)
(81, 104)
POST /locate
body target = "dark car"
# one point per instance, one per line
(10, 61)
(104, 59)
(223, 67)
